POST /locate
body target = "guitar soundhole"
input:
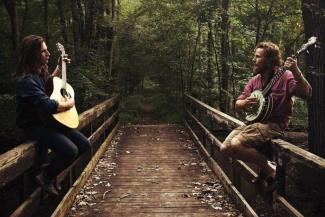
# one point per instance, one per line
(65, 93)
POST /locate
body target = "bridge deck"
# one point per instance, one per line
(154, 170)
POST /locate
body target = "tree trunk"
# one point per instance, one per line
(314, 23)
(23, 23)
(225, 96)
(111, 36)
(197, 40)
(258, 22)
(62, 21)
(210, 71)
(90, 20)
(76, 27)
(46, 20)
(12, 12)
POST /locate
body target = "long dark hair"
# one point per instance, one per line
(27, 57)
(272, 54)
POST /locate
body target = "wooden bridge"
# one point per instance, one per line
(161, 170)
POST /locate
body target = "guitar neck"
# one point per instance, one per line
(64, 73)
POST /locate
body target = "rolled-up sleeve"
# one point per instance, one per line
(293, 86)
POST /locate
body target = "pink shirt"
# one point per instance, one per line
(282, 92)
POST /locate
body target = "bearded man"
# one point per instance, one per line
(248, 142)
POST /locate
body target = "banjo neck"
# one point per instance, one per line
(280, 72)
(275, 78)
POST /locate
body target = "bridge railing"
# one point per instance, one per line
(18, 166)
(294, 165)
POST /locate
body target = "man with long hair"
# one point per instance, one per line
(32, 101)
(248, 142)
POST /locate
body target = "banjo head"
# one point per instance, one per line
(255, 111)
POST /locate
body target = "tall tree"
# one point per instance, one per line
(63, 23)
(226, 77)
(12, 12)
(77, 25)
(314, 22)
(90, 22)
(111, 37)
(46, 20)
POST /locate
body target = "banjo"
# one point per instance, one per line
(262, 110)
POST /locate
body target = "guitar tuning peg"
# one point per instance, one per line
(307, 51)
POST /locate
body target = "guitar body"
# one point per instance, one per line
(70, 117)
(58, 89)
(261, 111)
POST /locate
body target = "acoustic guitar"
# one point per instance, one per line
(264, 107)
(58, 89)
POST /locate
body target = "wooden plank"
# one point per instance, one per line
(103, 127)
(93, 113)
(291, 211)
(29, 206)
(231, 189)
(215, 114)
(301, 163)
(68, 199)
(15, 161)
(207, 133)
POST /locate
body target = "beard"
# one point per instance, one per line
(260, 69)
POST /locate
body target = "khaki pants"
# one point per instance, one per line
(257, 135)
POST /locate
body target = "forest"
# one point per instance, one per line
(167, 47)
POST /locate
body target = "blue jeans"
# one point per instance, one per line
(67, 144)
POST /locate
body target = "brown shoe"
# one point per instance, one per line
(46, 184)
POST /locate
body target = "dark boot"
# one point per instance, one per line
(46, 184)
(57, 185)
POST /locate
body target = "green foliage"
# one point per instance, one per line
(168, 43)
(300, 115)
(131, 109)
(167, 108)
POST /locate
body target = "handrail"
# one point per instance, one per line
(22, 158)
(289, 158)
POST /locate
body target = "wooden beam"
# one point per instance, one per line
(29, 206)
(300, 163)
(103, 127)
(291, 211)
(15, 161)
(93, 113)
(215, 114)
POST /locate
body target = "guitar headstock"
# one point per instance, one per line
(60, 48)
(311, 41)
